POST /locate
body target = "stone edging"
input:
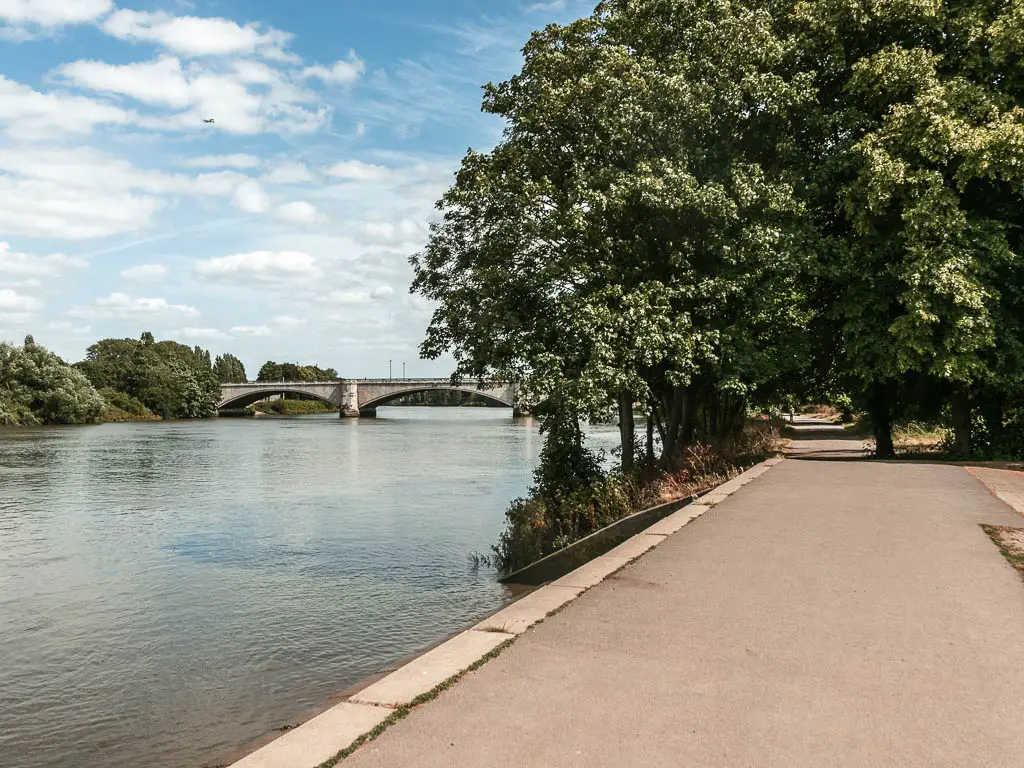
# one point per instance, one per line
(323, 737)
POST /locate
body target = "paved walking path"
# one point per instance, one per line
(830, 613)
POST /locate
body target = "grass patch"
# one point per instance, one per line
(403, 712)
(293, 407)
(1010, 542)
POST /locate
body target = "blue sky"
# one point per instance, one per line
(281, 231)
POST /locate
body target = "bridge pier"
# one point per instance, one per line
(350, 400)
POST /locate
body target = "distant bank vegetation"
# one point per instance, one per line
(119, 380)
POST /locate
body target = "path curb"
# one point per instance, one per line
(327, 734)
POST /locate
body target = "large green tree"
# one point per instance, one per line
(915, 158)
(635, 236)
(37, 387)
(271, 371)
(229, 369)
(172, 380)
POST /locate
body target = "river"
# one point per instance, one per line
(173, 593)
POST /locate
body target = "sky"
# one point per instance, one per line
(282, 230)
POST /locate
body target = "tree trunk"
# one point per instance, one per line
(881, 416)
(650, 440)
(689, 425)
(960, 408)
(627, 430)
(992, 412)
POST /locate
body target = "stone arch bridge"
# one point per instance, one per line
(357, 397)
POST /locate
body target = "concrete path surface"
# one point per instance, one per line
(830, 613)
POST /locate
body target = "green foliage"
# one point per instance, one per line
(172, 380)
(288, 407)
(229, 370)
(37, 387)
(294, 372)
(621, 244)
(539, 525)
(119, 406)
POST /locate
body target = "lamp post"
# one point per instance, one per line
(389, 370)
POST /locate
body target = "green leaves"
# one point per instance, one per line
(37, 387)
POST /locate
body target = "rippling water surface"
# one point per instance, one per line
(172, 593)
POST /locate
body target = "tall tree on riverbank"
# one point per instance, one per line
(37, 387)
(229, 369)
(172, 380)
(634, 236)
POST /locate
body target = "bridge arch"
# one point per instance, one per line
(382, 400)
(249, 398)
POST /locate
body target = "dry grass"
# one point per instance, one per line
(918, 439)
(1010, 542)
(704, 466)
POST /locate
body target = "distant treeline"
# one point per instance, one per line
(446, 398)
(119, 380)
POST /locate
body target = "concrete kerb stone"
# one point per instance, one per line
(590, 573)
(329, 733)
(524, 613)
(319, 739)
(425, 673)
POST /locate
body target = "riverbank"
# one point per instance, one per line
(773, 631)
(369, 710)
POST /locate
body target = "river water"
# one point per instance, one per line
(172, 593)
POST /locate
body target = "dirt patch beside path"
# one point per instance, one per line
(1010, 542)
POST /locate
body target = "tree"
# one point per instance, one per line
(635, 236)
(229, 369)
(271, 371)
(916, 168)
(172, 380)
(38, 387)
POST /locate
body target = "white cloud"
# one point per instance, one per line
(201, 92)
(356, 170)
(48, 209)
(82, 193)
(288, 172)
(145, 273)
(73, 329)
(53, 13)
(194, 36)
(31, 115)
(550, 5)
(12, 301)
(286, 322)
(250, 197)
(252, 330)
(342, 72)
(122, 305)
(199, 334)
(14, 264)
(240, 161)
(406, 230)
(161, 81)
(360, 130)
(299, 212)
(261, 265)
(359, 298)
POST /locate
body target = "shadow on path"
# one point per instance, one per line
(822, 440)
